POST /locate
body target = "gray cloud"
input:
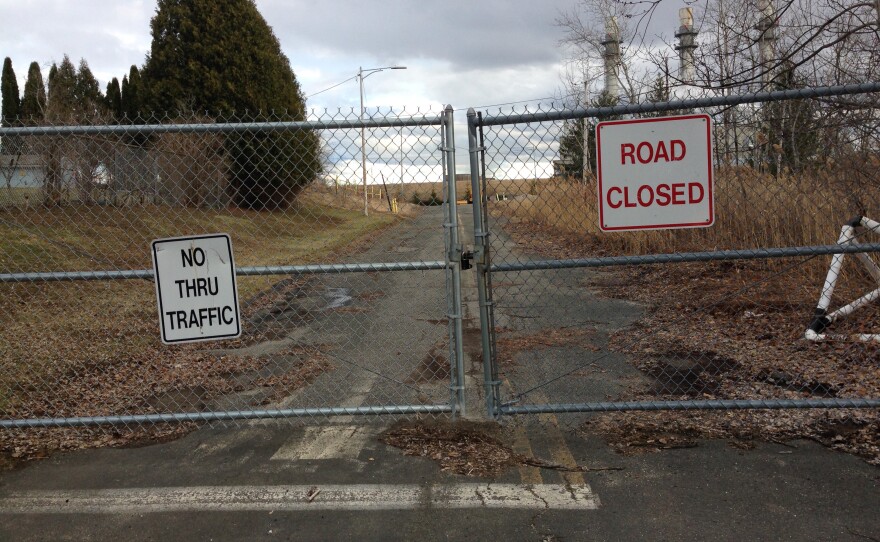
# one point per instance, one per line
(467, 34)
(464, 52)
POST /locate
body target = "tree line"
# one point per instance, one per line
(218, 61)
(70, 94)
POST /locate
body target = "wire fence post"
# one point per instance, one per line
(453, 258)
(480, 247)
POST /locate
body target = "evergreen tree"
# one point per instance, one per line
(132, 95)
(87, 93)
(53, 73)
(124, 95)
(11, 99)
(223, 58)
(33, 104)
(571, 142)
(11, 104)
(62, 91)
(659, 93)
(571, 148)
(113, 98)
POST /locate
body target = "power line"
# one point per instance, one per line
(553, 98)
(331, 88)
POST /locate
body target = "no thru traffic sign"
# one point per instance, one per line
(655, 173)
(196, 289)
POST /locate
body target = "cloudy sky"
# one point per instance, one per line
(461, 52)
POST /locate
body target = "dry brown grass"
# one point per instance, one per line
(352, 198)
(752, 211)
(93, 348)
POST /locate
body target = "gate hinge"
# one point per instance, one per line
(466, 258)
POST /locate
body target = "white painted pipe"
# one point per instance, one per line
(846, 236)
(846, 310)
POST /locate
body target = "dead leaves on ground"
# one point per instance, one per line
(466, 448)
(730, 330)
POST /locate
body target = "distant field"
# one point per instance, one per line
(508, 188)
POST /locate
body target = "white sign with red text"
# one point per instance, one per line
(655, 173)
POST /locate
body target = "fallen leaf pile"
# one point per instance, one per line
(60, 362)
(466, 448)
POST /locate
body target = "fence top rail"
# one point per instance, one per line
(309, 125)
(672, 105)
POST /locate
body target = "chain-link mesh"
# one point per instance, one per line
(342, 278)
(694, 319)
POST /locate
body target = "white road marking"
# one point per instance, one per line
(296, 498)
(330, 442)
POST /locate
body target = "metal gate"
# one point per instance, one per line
(576, 320)
(733, 317)
(331, 327)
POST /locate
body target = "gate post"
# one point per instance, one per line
(453, 262)
(481, 248)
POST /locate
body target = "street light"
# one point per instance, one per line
(363, 73)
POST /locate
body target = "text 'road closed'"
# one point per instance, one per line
(196, 288)
(655, 173)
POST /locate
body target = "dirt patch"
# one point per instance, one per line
(433, 368)
(687, 373)
(435, 321)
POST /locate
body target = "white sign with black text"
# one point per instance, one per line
(196, 288)
(655, 173)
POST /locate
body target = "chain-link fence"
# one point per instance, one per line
(349, 270)
(717, 318)
(345, 284)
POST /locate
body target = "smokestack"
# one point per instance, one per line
(612, 57)
(686, 44)
(767, 39)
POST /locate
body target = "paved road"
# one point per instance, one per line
(271, 481)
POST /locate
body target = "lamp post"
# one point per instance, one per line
(363, 73)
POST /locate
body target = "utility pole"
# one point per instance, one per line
(361, 76)
(585, 167)
(363, 141)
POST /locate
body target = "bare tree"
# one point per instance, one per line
(588, 27)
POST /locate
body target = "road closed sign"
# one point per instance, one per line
(655, 173)
(196, 288)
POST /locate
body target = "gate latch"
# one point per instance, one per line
(466, 258)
